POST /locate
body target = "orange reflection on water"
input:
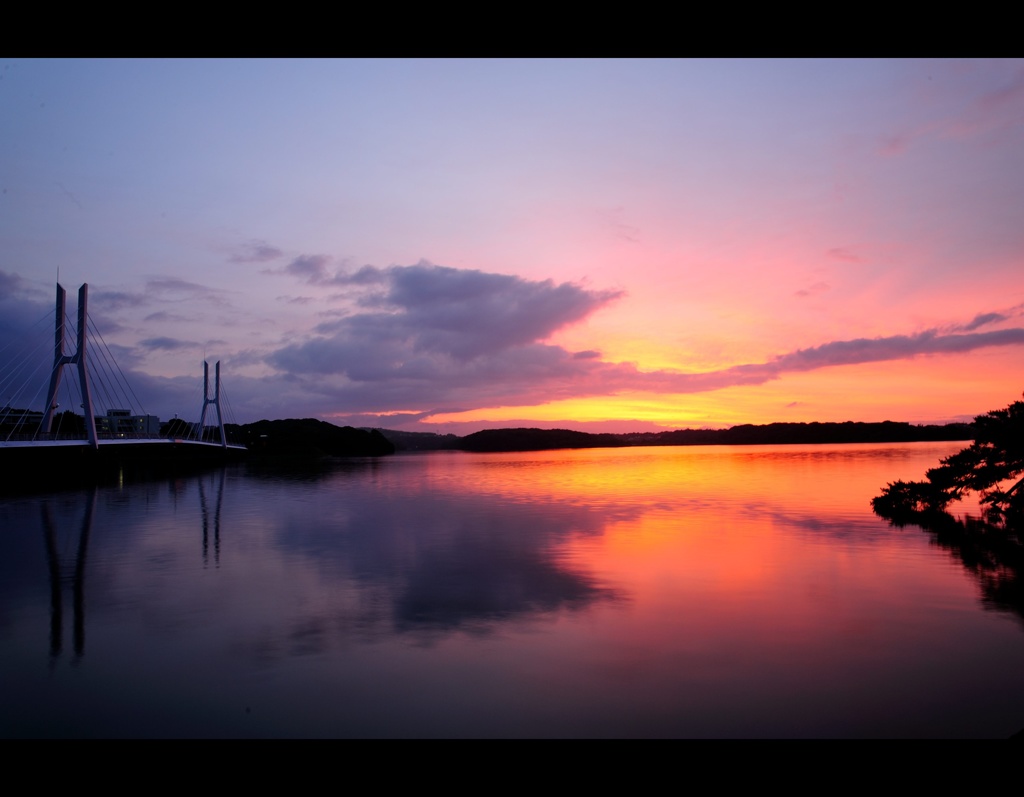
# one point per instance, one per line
(767, 531)
(833, 478)
(722, 554)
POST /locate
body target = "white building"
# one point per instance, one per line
(121, 423)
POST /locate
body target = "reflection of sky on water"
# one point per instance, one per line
(418, 561)
(442, 560)
(563, 593)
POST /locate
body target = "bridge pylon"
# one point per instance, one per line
(215, 401)
(60, 359)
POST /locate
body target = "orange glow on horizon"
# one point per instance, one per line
(927, 389)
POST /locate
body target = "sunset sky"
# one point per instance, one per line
(603, 245)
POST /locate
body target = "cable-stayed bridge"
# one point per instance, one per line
(111, 417)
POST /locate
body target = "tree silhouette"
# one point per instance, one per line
(68, 424)
(176, 427)
(995, 456)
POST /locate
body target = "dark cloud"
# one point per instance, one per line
(247, 357)
(367, 275)
(467, 314)
(847, 352)
(897, 347)
(840, 352)
(433, 318)
(315, 275)
(170, 344)
(161, 289)
(982, 319)
(442, 337)
(163, 315)
(256, 252)
(309, 268)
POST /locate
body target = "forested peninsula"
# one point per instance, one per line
(747, 434)
(308, 437)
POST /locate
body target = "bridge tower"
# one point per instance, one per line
(60, 359)
(215, 401)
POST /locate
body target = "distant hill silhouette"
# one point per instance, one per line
(520, 439)
(536, 440)
(309, 437)
(421, 441)
(781, 433)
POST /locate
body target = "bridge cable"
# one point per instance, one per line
(19, 366)
(124, 379)
(25, 386)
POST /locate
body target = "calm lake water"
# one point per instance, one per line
(642, 592)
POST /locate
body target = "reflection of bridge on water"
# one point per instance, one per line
(57, 579)
(121, 430)
(63, 572)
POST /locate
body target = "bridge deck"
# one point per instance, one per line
(174, 441)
